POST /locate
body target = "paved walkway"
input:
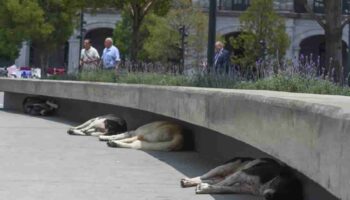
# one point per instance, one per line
(39, 161)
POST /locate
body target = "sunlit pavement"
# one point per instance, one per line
(40, 161)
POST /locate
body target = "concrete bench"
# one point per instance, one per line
(311, 133)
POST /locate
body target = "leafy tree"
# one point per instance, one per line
(122, 34)
(8, 46)
(47, 24)
(262, 35)
(137, 10)
(59, 16)
(333, 23)
(164, 41)
(19, 20)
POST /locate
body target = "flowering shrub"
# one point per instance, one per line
(303, 76)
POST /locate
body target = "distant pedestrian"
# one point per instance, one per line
(222, 59)
(90, 58)
(111, 56)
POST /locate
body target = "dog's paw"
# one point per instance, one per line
(185, 182)
(70, 131)
(103, 138)
(111, 143)
(202, 188)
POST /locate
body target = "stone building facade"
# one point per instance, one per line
(306, 35)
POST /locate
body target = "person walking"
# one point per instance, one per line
(89, 59)
(222, 59)
(111, 56)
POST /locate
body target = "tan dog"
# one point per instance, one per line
(157, 136)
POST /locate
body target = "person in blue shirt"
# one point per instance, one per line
(110, 56)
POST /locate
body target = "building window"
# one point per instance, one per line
(318, 6)
(239, 5)
(346, 7)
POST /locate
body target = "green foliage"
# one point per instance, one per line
(136, 12)
(163, 43)
(8, 46)
(122, 34)
(19, 21)
(280, 82)
(47, 24)
(261, 23)
(97, 76)
(60, 16)
(298, 84)
(154, 79)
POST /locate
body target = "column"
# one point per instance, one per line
(290, 31)
(24, 56)
(73, 57)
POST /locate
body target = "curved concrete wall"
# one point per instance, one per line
(308, 132)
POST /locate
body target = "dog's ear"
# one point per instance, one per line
(269, 194)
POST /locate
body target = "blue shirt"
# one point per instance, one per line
(110, 57)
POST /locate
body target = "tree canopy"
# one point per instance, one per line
(263, 34)
(19, 21)
(164, 41)
(333, 21)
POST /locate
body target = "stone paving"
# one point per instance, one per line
(39, 161)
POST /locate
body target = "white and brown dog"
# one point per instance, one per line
(260, 177)
(157, 136)
(103, 125)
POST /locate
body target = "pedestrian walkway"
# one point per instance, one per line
(39, 161)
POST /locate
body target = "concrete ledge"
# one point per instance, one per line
(309, 132)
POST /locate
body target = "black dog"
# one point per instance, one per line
(261, 177)
(39, 106)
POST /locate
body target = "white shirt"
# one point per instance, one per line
(90, 58)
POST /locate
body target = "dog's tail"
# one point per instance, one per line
(175, 144)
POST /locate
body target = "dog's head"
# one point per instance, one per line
(115, 126)
(284, 187)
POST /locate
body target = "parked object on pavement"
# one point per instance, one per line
(52, 71)
(12, 71)
(3, 72)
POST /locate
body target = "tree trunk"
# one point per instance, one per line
(333, 35)
(44, 63)
(334, 57)
(137, 19)
(135, 40)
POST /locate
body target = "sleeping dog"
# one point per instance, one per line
(157, 136)
(103, 125)
(39, 106)
(260, 177)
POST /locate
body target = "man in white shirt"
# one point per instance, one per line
(89, 59)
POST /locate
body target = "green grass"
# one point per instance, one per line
(285, 83)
